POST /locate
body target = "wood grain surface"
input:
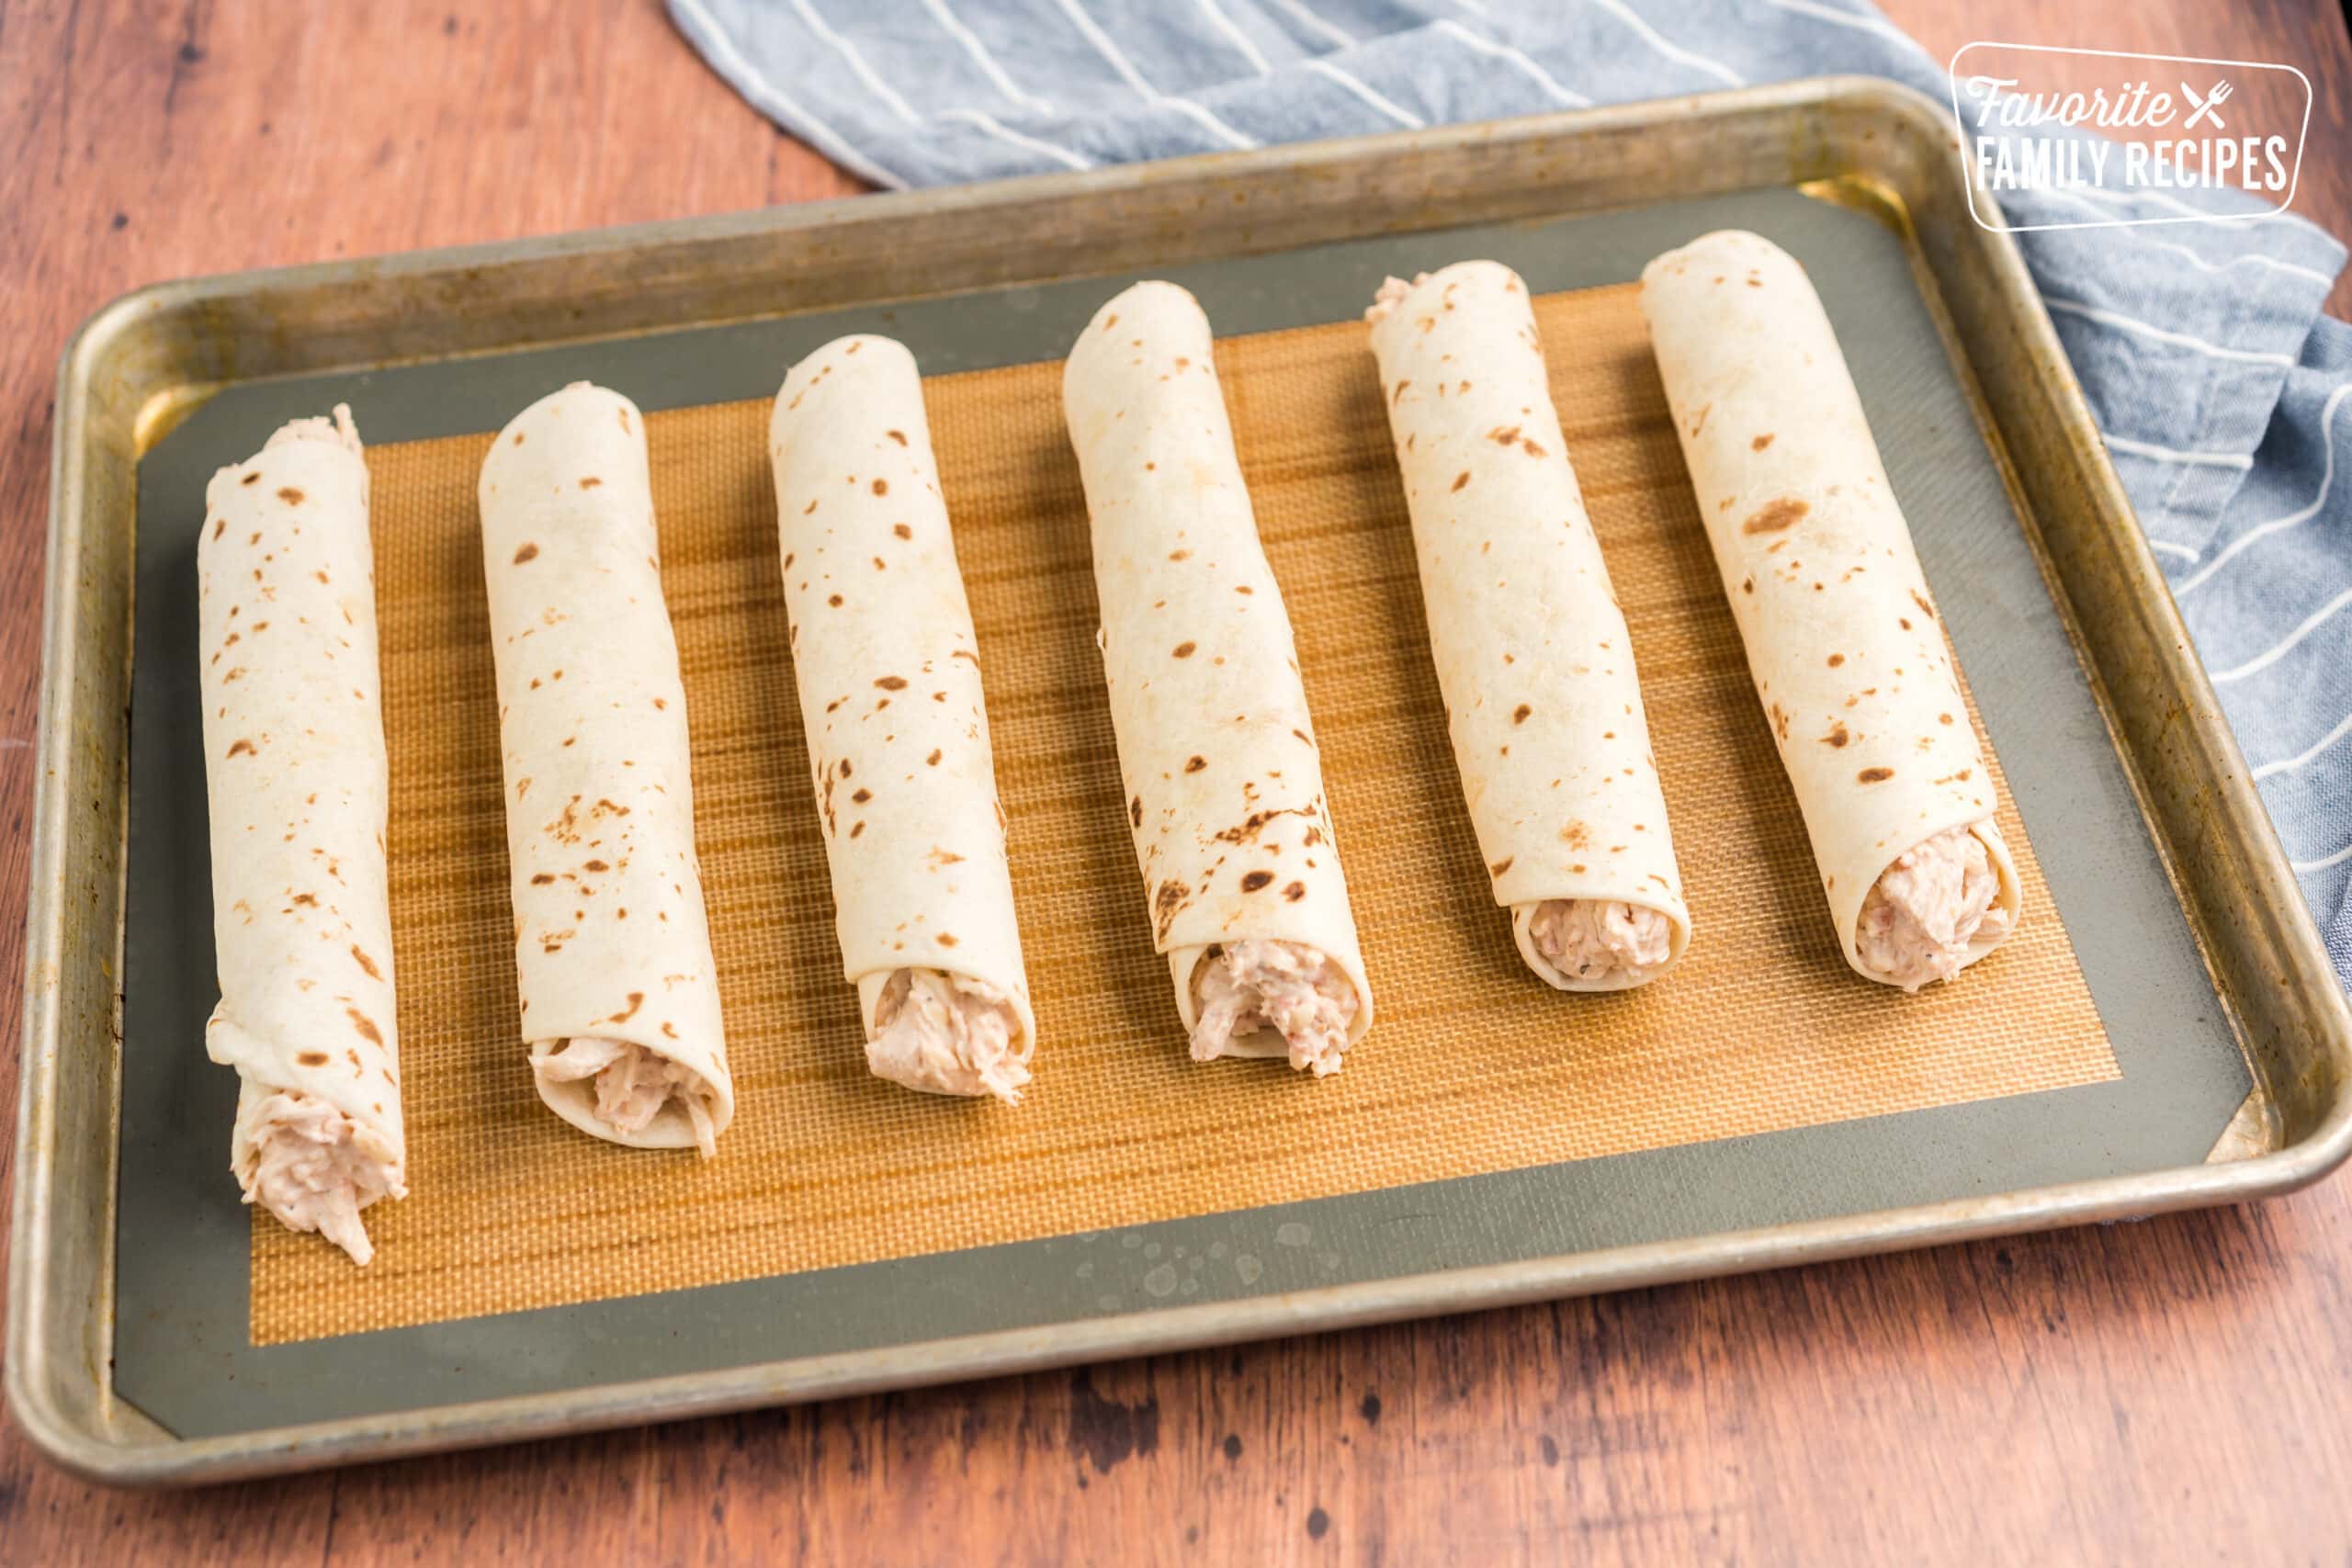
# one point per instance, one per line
(2173, 1391)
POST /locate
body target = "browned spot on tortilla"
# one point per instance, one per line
(945, 939)
(359, 955)
(1699, 421)
(1875, 775)
(1134, 809)
(1575, 835)
(1780, 722)
(1194, 764)
(1926, 609)
(901, 530)
(1294, 892)
(528, 552)
(1256, 880)
(1503, 435)
(365, 1026)
(863, 795)
(1111, 322)
(1399, 391)
(1836, 660)
(669, 1030)
(1773, 516)
(845, 767)
(807, 509)
(1837, 736)
(1519, 714)
(1462, 478)
(312, 1058)
(967, 653)
(1943, 719)
(1501, 865)
(254, 477)
(835, 600)
(856, 827)
(595, 865)
(542, 878)
(635, 1000)
(892, 683)
(1748, 586)
(289, 495)
(881, 486)
(1903, 621)
(245, 746)
(933, 759)
(590, 482)
(1184, 650)
(1760, 442)
(623, 412)
(222, 527)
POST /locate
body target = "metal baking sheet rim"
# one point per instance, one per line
(61, 1303)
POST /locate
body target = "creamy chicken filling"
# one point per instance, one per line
(1284, 988)
(1600, 940)
(634, 1085)
(1930, 910)
(1391, 295)
(310, 1170)
(947, 1034)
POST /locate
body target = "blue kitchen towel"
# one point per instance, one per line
(2214, 378)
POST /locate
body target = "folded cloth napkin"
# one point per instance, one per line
(2215, 380)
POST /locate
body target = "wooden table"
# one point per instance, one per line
(2175, 1389)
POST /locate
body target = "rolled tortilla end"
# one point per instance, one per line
(1222, 779)
(297, 791)
(618, 989)
(1599, 944)
(1845, 645)
(888, 667)
(1543, 699)
(947, 1033)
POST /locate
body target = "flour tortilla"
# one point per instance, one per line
(1223, 779)
(889, 671)
(295, 790)
(1848, 652)
(1532, 651)
(611, 942)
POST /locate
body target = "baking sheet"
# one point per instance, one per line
(2182, 1078)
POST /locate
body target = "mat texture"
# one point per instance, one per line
(1474, 1066)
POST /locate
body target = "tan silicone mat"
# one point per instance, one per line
(1475, 1066)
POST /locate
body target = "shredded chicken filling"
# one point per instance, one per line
(634, 1085)
(947, 1034)
(1601, 939)
(310, 1170)
(1932, 911)
(1391, 295)
(1287, 988)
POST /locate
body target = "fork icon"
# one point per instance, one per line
(2207, 108)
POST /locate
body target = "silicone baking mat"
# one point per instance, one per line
(1474, 1068)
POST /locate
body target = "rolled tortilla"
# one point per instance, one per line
(890, 678)
(612, 949)
(296, 788)
(1843, 639)
(1224, 784)
(1532, 651)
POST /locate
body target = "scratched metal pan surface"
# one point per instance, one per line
(127, 1350)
